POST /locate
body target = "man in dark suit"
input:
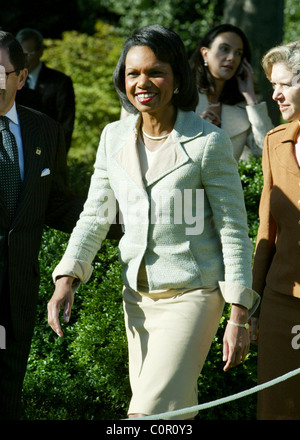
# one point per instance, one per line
(43, 198)
(47, 90)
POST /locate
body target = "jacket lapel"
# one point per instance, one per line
(128, 158)
(172, 155)
(285, 150)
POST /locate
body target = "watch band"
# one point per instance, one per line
(246, 326)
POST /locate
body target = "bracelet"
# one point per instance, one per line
(246, 326)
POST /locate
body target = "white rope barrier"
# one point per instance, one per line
(222, 400)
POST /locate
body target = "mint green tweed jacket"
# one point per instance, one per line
(158, 215)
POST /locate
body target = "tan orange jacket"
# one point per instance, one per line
(277, 254)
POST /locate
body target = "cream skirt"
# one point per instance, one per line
(169, 336)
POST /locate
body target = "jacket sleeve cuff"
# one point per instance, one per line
(237, 294)
(80, 270)
(258, 115)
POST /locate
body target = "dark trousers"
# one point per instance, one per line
(13, 362)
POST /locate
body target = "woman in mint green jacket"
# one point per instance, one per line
(185, 250)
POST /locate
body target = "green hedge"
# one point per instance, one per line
(90, 61)
(84, 375)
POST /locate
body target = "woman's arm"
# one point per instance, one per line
(63, 296)
(236, 337)
(223, 187)
(257, 112)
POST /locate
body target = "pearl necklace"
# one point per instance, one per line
(155, 138)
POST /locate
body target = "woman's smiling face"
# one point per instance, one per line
(149, 82)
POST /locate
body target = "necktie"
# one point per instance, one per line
(10, 179)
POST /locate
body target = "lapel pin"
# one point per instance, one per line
(38, 151)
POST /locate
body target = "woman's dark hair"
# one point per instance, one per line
(169, 48)
(204, 80)
(14, 49)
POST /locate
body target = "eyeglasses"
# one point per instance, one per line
(8, 73)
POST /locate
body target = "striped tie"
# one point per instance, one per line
(10, 179)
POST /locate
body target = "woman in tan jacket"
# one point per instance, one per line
(276, 271)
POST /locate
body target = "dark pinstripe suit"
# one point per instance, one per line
(43, 200)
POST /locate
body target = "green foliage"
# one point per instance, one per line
(90, 62)
(84, 374)
(291, 21)
(252, 182)
(99, 346)
(189, 18)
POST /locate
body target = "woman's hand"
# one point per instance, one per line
(63, 296)
(236, 339)
(212, 114)
(246, 83)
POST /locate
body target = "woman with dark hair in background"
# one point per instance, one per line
(224, 78)
(182, 257)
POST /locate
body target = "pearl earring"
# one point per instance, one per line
(176, 91)
(205, 63)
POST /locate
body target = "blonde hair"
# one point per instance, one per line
(288, 54)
